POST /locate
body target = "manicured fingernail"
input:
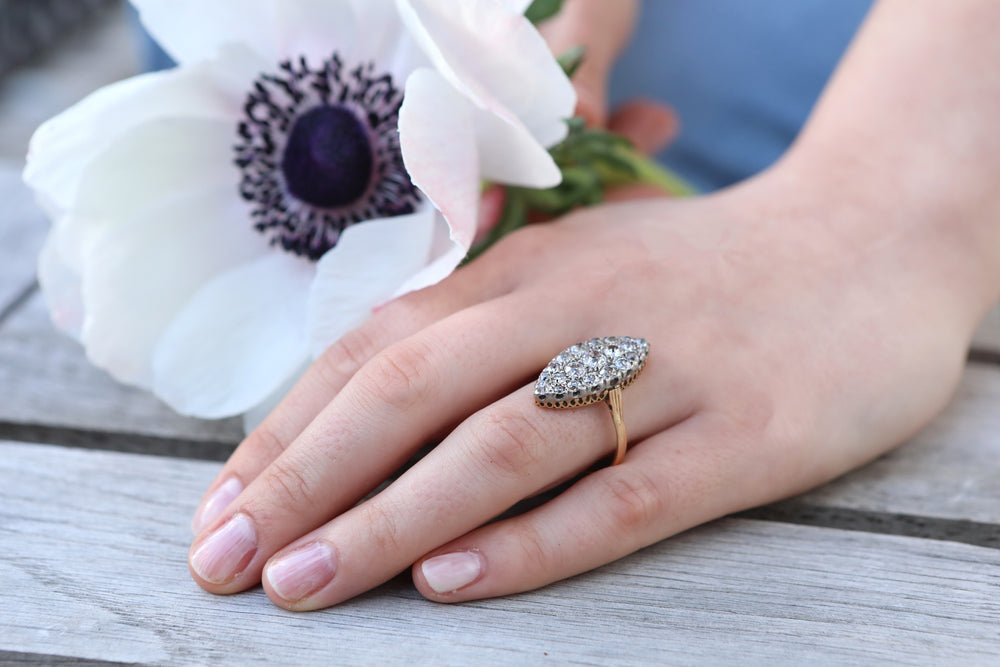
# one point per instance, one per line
(226, 552)
(448, 573)
(302, 572)
(216, 501)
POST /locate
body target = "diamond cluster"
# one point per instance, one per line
(589, 369)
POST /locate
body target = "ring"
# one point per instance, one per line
(592, 371)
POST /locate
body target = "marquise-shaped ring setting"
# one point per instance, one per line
(586, 372)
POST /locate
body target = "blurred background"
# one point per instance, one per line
(52, 54)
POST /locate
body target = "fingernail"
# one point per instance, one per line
(302, 572)
(217, 501)
(226, 552)
(448, 573)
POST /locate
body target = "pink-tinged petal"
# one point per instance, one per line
(239, 338)
(437, 139)
(139, 274)
(64, 146)
(61, 287)
(369, 264)
(193, 30)
(494, 55)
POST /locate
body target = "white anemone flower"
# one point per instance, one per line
(218, 225)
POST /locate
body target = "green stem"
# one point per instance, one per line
(650, 171)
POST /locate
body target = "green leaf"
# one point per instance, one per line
(539, 10)
(571, 60)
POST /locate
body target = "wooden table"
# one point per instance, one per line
(897, 562)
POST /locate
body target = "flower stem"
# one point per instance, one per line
(649, 171)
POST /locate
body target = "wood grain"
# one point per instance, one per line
(93, 566)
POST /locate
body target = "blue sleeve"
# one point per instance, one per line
(742, 75)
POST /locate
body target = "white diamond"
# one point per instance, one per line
(591, 368)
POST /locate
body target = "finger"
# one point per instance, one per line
(481, 281)
(649, 125)
(491, 206)
(494, 459)
(392, 405)
(669, 483)
(602, 28)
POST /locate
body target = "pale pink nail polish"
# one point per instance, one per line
(302, 572)
(216, 501)
(227, 551)
(449, 572)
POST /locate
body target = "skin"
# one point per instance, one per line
(801, 324)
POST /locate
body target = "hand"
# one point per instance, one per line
(786, 349)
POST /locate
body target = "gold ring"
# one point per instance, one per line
(592, 371)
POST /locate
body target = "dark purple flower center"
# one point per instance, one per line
(318, 151)
(328, 159)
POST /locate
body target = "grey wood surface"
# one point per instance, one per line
(93, 566)
(22, 229)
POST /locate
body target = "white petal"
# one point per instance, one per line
(60, 286)
(497, 57)
(62, 147)
(193, 30)
(445, 255)
(237, 340)
(438, 146)
(253, 417)
(138, 275)
(367, 266)
(153, 162)
(509, 154)
(518, 6)
(157, 161)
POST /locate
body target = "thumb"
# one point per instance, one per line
(649, 125)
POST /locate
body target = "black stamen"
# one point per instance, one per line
(319, 151)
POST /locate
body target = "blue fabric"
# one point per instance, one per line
(742, 75)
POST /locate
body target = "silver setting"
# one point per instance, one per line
(584, 373)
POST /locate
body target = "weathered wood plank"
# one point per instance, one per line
(46, 379)
(22, 230)
(950, 469)
(93, 565)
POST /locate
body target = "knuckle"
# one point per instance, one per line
(402, 376)
(383, 528)
(534, 552)
(289, 489)
(509, 441)
(633, 500)
(350, 352)
(264, 442)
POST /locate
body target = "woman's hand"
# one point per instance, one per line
(800, 324)
(784, 351)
